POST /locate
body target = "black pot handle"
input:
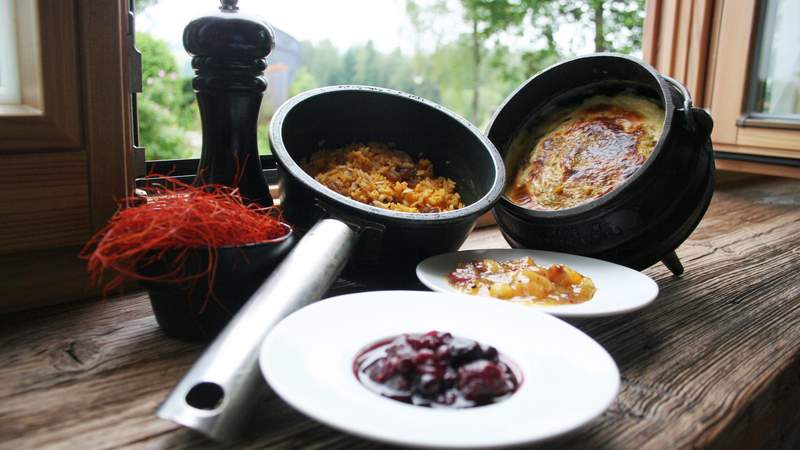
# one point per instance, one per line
(687, 101)
(696, 119)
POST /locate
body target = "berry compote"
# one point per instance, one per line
(436, 369)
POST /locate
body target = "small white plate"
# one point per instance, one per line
(307, 359)
(619, 289)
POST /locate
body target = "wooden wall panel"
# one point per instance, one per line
(44, 201)
(683, 31)
(28, 278)
(771, 138)
(697, 56)
(732, 67)
(676, 41)
(651, 29)
(665, 46)
(757, 168)
(104, 28)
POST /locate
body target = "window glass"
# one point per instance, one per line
(776, 81)
(9, 63)
(463, 54)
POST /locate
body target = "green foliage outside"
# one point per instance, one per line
(166, 106)
(470, 74)
(475, 72)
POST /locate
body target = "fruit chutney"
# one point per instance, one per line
(436, 369)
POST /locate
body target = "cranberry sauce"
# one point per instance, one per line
(436, 369)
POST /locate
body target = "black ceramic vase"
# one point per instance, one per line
(199, 310)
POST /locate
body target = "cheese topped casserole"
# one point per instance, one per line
(586, 152)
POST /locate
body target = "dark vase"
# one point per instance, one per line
(191, 310)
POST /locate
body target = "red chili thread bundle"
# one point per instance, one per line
(172, 223)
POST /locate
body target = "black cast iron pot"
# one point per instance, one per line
(647, 217)
(390, 243)
(197, 309)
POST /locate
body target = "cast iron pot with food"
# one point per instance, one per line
(378, 245)
(390, 243)
(644, 219)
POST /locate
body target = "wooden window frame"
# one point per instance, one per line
(49, 112)
(710, 45)
(63, 171)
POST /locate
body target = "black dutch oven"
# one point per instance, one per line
(648, 216)
(390, 243)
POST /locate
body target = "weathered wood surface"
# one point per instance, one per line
(713, 363)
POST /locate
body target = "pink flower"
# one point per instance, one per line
(173, 76)
(149, 81)
(161, 73)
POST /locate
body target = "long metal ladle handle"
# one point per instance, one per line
(216, 395)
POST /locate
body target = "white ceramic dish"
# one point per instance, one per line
(619, 289)
(307, 359)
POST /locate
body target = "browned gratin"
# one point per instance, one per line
(522, 281)
(586, 152)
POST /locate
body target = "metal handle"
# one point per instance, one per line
(215, 396)
(687, 101)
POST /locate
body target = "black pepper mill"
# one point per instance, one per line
(229, 52)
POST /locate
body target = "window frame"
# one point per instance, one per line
(751, 117)
(186, 169)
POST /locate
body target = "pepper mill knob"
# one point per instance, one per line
(229, 52)
(229, 5)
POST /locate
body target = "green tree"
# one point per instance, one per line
(166, 104)
(304, 80)
(141, 5)
(616, 24)
(486, 18)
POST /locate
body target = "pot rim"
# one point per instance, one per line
(481, 205)
(250, 245)
(278, 240)
(666, 131)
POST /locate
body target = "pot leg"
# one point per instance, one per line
(673, 263)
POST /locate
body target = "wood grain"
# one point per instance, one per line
(712, 363)
(104, 59)
(43, 200)
(764, 151)
(732, 67)
(676, 37)
(29, 280)
(697, 58)
(757, 168)
(667, 37)
(683, 31)
(771, 138)
(651, 30)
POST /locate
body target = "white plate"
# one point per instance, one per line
(307, 359)
(619, 289)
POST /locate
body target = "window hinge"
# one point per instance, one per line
(134, 55)
(135, 79)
